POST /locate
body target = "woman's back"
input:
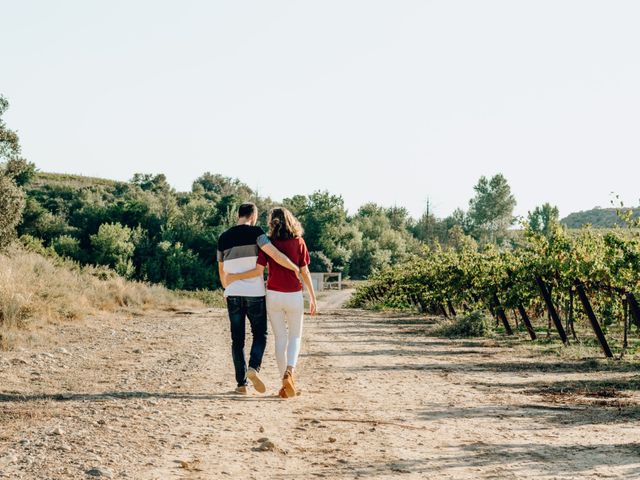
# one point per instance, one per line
(281, 279)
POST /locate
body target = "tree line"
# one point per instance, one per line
(146, 230)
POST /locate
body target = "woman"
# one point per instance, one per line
(285, 303)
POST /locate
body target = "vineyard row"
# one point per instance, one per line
(587, 278)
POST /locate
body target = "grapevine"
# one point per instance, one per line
(605, 266)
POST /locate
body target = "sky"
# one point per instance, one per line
(394, 102)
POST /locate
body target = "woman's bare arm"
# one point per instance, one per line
(306, 278)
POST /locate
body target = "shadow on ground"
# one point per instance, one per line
(503, 461)
(128, 395)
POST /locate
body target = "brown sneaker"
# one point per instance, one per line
(241, 389)
(288, 384)
(282, 393)
(252, 375)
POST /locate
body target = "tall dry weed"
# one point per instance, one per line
(34, 287)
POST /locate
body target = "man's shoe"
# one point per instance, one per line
(252, 375)
(288, 385)
(242, 389)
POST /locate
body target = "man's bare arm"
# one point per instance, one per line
(256, 272)
(279, 257)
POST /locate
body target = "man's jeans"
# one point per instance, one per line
(256, 309)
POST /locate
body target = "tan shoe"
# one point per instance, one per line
(252, 375)
(288, 384)
(241, 390)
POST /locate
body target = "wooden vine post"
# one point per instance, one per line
(634, 308)
(625, 338)
(552, 309)
(527, 321)
(502, 315)
(594, 321)
(451, 309)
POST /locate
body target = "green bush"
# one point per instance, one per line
(475, 324)
(320, 262)
(113, 246)
(33, 244)
(67, 246)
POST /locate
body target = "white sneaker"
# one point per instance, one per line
(258, 384)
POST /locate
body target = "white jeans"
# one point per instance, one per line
(286, 314)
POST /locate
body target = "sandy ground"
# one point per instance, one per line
(150, 397)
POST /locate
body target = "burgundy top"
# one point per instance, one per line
(281, 279)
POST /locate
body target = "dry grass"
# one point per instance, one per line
(37, 288)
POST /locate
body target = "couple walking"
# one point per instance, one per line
(243, 253)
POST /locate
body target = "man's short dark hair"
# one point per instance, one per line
(246, 210)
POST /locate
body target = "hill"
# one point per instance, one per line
(597, 217)
(49, 178)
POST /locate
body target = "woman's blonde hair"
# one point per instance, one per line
(283, 224)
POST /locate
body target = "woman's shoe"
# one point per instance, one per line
(288, 384)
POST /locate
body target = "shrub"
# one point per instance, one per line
(475, 324)
(320, 262)
(33, 244)
(113, 246)
(67, 246)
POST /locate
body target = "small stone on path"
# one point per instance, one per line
(100, 472)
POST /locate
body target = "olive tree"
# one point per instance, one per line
(14, 172)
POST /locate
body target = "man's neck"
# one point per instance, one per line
(244, 221)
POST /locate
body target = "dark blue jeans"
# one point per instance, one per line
(255, 308)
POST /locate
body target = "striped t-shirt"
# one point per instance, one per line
(238, 249)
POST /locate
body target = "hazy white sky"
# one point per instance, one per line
(385, 101)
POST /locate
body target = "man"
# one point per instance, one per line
(238, 253)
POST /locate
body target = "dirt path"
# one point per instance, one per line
(134, 397)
